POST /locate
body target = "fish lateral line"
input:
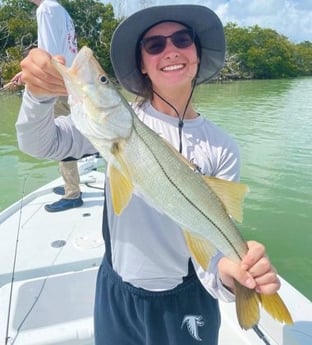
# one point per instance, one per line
(186, 197)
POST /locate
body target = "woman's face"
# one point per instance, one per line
(173, 66)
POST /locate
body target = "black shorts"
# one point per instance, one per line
(126, 315)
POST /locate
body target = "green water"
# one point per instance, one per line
(271, 120)
(19, 173)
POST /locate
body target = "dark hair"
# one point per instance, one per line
(145, 87)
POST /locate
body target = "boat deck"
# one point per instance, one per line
(57, 259)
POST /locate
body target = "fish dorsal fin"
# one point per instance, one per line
(201, 249)
(231, 193)
(121, 187)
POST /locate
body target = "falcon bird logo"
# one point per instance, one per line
(192, 323)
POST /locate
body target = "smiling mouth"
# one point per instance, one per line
(173, 68)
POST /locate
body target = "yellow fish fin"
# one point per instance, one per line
(247, 306)
(201, 249)
(121, 188)
(230, 193)
(275, 306)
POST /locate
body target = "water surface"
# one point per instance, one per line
(271, 120)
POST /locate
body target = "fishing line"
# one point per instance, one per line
(39, 294)
(45, 280)
(14, 262)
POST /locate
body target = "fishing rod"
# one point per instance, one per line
(261, 335)
(7, 338)
(8, 86)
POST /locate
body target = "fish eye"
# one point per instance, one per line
(103, 79)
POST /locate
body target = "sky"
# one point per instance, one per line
(291, 18)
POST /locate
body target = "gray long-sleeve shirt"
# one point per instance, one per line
(41, 135)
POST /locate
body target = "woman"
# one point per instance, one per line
(148, 289)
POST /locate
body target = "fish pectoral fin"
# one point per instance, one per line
(231, 194)
(247, 306)
(201, 249)
(121, 188)
(275, 306)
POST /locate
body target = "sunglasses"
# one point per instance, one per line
(156, 44)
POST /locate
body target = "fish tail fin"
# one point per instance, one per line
(275, 306)
(247, 307)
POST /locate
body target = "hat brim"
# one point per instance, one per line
(204, 22)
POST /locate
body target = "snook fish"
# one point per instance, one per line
(139, 159)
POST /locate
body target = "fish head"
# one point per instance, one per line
(97, 108)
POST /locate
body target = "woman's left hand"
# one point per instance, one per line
(255, 271)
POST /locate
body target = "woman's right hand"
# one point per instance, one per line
(40, 76)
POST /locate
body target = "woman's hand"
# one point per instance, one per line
(255, 271)
(40, 76)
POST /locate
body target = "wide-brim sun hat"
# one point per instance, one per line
(201, 19)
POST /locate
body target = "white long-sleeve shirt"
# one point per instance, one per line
(148, 248)
(56, 31)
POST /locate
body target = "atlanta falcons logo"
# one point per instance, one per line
(192, 323)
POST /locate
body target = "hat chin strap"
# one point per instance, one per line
(181, 118)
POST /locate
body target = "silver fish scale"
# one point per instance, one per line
(180, 192)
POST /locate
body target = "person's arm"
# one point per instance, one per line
(211, 280)
(56, 31)
(38, 133)
(51, 23)
(42, 136)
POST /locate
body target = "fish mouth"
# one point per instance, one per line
(81, 74)
(175, 67)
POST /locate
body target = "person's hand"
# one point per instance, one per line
(255, 271)
(39, 74)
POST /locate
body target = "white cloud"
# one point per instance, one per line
(291, 18)
(288, 17)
